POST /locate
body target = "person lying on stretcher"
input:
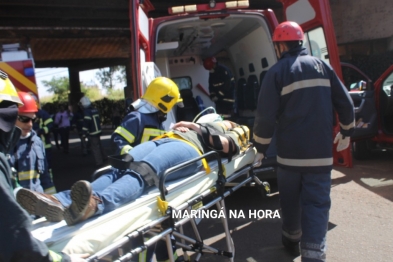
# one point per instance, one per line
(186, 141)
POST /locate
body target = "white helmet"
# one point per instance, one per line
(85, 102)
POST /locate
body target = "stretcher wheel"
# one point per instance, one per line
(264, 189)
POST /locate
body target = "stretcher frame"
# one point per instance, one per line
(171, 226)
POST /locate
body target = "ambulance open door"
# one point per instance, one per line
(320, 39)
(143, 69)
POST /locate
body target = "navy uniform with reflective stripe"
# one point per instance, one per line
(222, 88)
(91, 122)
(296, 100)
(301, 107)
(43, 125)
(136, 128)
(31, 165)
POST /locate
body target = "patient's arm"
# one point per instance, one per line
(184, 126)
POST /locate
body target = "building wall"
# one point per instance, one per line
(364, 33)
(362, 20)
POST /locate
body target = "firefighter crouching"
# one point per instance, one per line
(144, 122)
(92, 130)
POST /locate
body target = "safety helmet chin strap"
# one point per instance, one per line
(161, 116)
(278, 49)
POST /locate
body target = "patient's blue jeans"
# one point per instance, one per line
(116, 187)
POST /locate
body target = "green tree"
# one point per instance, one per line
(110, 76)
(59, 86)
(115, 94)
(92, 92)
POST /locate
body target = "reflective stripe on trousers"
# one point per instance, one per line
(305, 203)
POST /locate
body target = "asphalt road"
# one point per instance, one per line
(360, 225)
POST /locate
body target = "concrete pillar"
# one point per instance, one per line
(128, 90)
(390, 43)
(75, 93)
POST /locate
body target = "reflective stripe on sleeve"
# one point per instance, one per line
(49, 120)
(130, 138)
(261, 140)
(306, 162)
(305, 84)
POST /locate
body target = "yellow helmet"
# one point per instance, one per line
(7, 90)
(162, 93)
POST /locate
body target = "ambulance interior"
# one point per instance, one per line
(240, 42)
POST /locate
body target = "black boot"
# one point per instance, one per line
(292, 247)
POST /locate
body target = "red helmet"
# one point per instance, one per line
(288, 31)
(209, 63)
(29, 104)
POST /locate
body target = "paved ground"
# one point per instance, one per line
(360, 227)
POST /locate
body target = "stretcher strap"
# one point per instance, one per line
(175, 136)
(217, 144)
(162, 205)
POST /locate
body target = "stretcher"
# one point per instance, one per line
(102, 235)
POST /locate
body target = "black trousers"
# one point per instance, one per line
(64, 137)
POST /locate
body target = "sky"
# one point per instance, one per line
(88, 77)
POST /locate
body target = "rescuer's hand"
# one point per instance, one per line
(343, 141)
(258, 160)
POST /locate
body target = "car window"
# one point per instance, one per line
(388, 85)
(353, 79)
(183, 82)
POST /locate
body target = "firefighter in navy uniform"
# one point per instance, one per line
(221, 86)
(144, 122)
(28, 158)
(43, 126)
(16, 241)
(297, 99)
(92, 130)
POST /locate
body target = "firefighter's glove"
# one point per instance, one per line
(343, 141)
(258, 160)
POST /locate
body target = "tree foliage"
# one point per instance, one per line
(59, 86)
(110, 76)
(92, 92)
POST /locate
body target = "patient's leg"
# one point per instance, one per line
(124, 190)
(106, 179)
(167, 153)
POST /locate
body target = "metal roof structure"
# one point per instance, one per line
(74, 32)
